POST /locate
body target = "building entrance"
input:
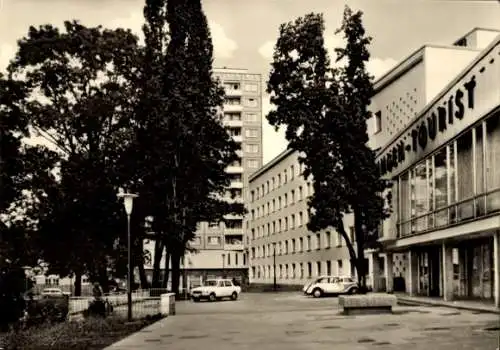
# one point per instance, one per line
(475, 270)
(429, 272)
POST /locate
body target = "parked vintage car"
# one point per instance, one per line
(216, 289)
(331, 285)
(54, 292)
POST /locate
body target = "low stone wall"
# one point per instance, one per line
(367, 303)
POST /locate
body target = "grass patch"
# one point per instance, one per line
(88, 334)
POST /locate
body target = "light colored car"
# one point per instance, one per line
(216, 289)
(53, 292)
(331, 285)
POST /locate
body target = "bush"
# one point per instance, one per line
(47, 309)
(13, 284)
(98, 308)
(88, 334)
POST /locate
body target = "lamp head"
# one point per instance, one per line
(128, 201)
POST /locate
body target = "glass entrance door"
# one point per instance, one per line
(435, 272)
(429, 272)
(423, 273)
(481, 270)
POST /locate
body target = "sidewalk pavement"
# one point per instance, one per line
(471, 305)
(283, 323)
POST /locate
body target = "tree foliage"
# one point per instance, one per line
(78, 98)
(325, 111)
(13, 126)
(115, 114)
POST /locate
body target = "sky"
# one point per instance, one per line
(244, 32)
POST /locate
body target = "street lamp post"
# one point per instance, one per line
(223, 265)
(128, 201)
(274, 267)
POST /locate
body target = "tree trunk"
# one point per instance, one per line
(78, 284)
(184, 277)
(159, 246)
(176, 273)
(142, 276)
(350, 247)
(139, 261)
(360, 247)
(166, 269)
(103, 279)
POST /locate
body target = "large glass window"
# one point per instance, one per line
(465, 178)
(441, 187)
(430, 191)
(493, 161)
(479, 164)
(404, 189)
(419, 195)
(459, 173)
(451, 149)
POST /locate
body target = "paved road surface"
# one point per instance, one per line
(293, 322)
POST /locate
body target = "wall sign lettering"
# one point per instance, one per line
(437, 121)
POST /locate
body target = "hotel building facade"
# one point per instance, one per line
(436, 129)
(221, 248)
(278, 215)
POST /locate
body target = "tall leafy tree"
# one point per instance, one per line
(13, 127)
(354, 89)
(79, 98)
(182, 135)
(20, 166)
(325, 112)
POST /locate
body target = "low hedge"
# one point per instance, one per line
(47, 309)
(88, 334)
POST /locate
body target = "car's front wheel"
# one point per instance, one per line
(196, 299)
(317, 293)
(234, 296)
(353, 290)
(212, 297)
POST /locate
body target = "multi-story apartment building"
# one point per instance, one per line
(281, 246)
(221, 247)
(436, 129)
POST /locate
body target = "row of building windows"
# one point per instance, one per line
(302, 270)
(277, 181)
(280, 225)
(236, 116)
(217, 240)
(458, 182)
(234, 86)
(251, 163)
(251, 148)
(249, 133)
(301, 244)
(236, 101)
(228, 258)
(229, 224)
(281, 202)
(233, 258)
